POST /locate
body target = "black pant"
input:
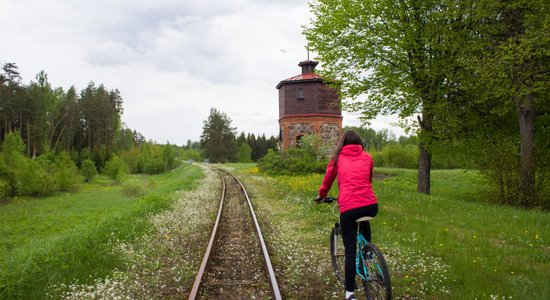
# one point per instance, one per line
(349, 234)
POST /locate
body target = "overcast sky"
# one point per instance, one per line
(172, 60)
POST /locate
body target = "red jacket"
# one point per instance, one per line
(354, 171)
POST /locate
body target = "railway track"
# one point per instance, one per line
(236, 264)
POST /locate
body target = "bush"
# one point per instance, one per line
(66, 174)
(153, 165)
(134, 187)
(131, 158)
(35, 180)
(244, 154)
(150, 158)
(4, 189)
(116, 169)
(292, 162)
(397, 156)
(401, 156)
(190, 154)
(88, 170)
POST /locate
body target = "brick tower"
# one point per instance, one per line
(308, 106)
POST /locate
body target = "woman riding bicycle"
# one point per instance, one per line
(356, 199)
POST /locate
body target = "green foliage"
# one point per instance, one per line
(4, 189)
(134, 187)
(132, 159)
(60, 239)
(218, 138)
(259, 144)
(293, 161)
(190, 154)
(50, 118)
(405, 56)
(88, 170)
(42, 176)
(397, 156)
(66, 173)
(150, 158)
(244, 154)
(116, 169)
(168, 156)
(449, 245)
(35, 179)
(13, 150)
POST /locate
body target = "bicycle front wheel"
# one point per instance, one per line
(337, 253)
(377, 284)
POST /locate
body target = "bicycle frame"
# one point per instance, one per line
(360, 267)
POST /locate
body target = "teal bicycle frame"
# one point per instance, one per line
(360, 267)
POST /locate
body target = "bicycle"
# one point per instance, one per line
(370, 265)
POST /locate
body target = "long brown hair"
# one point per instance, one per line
(350, 137)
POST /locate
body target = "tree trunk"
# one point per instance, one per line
(28, 140)
(424, 167)
(425, 155)
(526, 115)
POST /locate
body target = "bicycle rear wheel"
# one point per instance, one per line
(337, 253)
(378, 284)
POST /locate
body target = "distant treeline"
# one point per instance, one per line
(51, 119)
(53, 139)
(220, 143)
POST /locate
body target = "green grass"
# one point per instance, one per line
(452, 244)
(67, 237)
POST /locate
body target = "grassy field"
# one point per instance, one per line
(67, 237)
(452, 244)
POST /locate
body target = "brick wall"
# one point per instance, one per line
(329, 128)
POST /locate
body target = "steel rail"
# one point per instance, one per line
(198, 279)
(267, 261)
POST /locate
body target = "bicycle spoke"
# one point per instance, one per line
(378, 284)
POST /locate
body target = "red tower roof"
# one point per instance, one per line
(304, 77)
(308, 67)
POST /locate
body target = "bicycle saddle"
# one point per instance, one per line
(363, 219)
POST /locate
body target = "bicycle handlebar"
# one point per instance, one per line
(325, 200)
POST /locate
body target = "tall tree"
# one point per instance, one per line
(401, 54)
(218, 138)
(11, 95)
(511, 55)
(101, 110)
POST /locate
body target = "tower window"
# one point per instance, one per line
(299, 141)
(300, 93)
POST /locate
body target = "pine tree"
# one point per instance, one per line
(218, 138)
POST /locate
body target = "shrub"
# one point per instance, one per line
(35, 180)
(134, 187)
(153, 165)
(401, 156)
(292, 162)
(131, 158)
(190, 154)
(245, 153)
(4, 189)
(13, 150)
(116, 169)
(168, 157)
(66, 173)
(88, 170)
(397, 156)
